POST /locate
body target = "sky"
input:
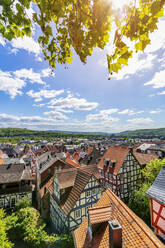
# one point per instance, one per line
(81, 98)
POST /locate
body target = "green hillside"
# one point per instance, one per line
(144, 133)
(17, 134)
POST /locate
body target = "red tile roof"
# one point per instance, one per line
(71, 162)
(135, 233)
(1, 160)
(117, 154)
(99, 214)
(143, 158)
(76, 156)
(93, 170)
(75, 178)
(80, 182)
(66, 177)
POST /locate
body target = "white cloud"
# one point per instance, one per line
(161, 93)
(57, 115)
(11, 85)
(140, 121)
(31, 120)
(8, 118)
(158, 81)
(157, 35)
(26, 43)
(157, 111)
(44, 94)
(55, 120)
(109, 111)
(29, 74)
(38, 105)
(72, 102)
(138, 64)
(130, 112)
(103, 116)
(2, 41)
(47, 72)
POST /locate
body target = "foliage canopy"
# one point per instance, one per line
(82, 25)
(139, 201)
(4, 241)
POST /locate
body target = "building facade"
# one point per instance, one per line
(121, 171)
(112, 224)
(73, 192)
(156, 195)
(15, 183)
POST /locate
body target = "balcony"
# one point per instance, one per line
(21, 189)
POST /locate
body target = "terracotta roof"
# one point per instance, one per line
(143, 158)
(76, 156)
(66, 177)
(71, 162)
(116, 153)
(75, 178)
(1, 161)
(47, 185)
(93, 170)
(81, 181)
(67, 154)
(99, 214)
(135, 233)
(90, 149)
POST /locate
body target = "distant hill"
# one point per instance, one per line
(35, 134)
(144, 133)
(23, 132)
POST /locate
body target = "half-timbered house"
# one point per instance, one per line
(111, 224)
(92, 156)
(15, 183)
(121, 171)
(46, 171)
(144, 158)
(156, 194)
(72, 193)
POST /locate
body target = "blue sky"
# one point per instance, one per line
(81, 98)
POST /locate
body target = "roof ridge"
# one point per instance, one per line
(133, 215)
(78, 181)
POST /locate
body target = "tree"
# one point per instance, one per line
(25, 224)
(139, 201)
(82, 25)
(23, 203)
(4, 241)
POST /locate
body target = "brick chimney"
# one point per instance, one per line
(115, 234)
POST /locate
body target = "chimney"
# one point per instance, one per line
(115, 234)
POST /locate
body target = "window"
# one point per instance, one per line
(77, 213)
(94, 191)
(1, 203)
(89, 206)
(88, 193)
(129, 174)
(121, 187)
(12, 202)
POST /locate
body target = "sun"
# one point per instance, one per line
(118, 4)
